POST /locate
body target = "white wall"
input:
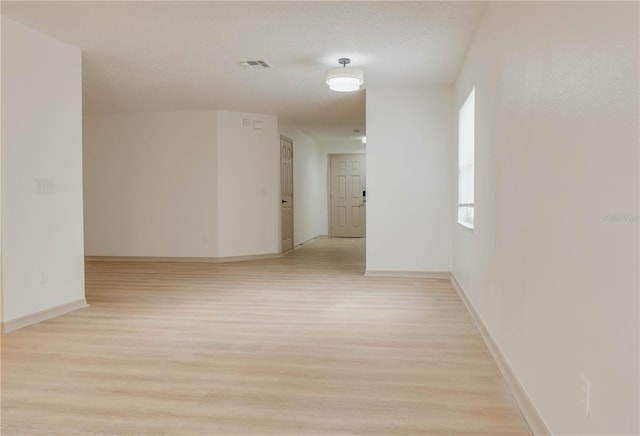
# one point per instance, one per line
(552, 265)
(306, 188)
(42, 240)
(410, 179)
(1, 311)
(326, 148)
(248, 185)
(151, 184)
(181, 184)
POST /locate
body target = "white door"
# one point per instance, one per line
(286, 188)
(348, 198)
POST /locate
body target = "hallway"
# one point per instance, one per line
(303, 344)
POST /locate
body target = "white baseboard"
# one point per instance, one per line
(409, 274)
(246, 258)
(43, 315)
(302, 244)
(180, 259)
(528, 410)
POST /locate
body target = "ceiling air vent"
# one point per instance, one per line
(254, 64)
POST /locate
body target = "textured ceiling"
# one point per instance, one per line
(179, 55)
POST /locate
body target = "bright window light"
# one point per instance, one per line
(466, 160)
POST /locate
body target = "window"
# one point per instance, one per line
(466, 160)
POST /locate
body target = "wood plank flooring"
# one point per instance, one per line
(301, 345)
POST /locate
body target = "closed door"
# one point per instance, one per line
(348, 198)
(286, 187)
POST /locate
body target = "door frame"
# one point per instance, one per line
(328, 187)
(293, 245)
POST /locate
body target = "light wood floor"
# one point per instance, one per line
(299, 345)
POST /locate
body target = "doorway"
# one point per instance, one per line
(286, 192)
(347, 191)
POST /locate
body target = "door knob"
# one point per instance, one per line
(284, 201)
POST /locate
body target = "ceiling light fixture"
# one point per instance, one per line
(344, 79)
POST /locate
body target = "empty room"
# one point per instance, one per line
(320, 218)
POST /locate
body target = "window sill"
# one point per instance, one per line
(465, 225)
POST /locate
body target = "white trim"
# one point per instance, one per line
(302, 244)
(181, 259)
(43, 315)
(528, 410)
(409, 274)
(465, 225)
(246, 258)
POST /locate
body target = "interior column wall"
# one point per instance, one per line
(42, 221)
(410, 179)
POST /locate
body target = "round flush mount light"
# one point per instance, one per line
(344, 79)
